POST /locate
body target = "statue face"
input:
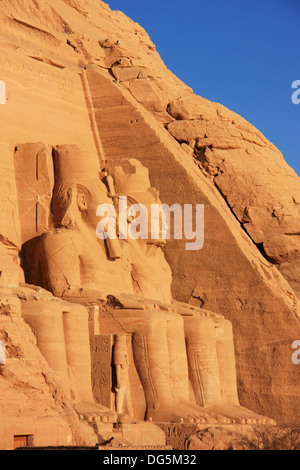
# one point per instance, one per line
(137, 188)
(89, 196)
(156, 220)
(157, 217)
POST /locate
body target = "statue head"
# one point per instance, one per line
(78, 187)
(131, 179)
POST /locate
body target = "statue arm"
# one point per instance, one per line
(60, 260)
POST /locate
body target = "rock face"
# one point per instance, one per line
(88, 95)
(33, 399)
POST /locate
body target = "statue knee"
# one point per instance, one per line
(43, 317)
(75, 320)
(224, 331)
(199, 329)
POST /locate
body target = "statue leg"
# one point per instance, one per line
(154, 337)
(61, 331)
(151, 357)
(177, 357)
(123, 398)
(203, 360)
(212, 369)
(77, 345)
(45, 320)
(179, 372)
(226, 359)
(230, 405)
(76, 333)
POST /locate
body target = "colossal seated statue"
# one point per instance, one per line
(184, 355)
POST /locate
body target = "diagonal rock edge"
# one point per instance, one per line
(162, 156)
(153, 95)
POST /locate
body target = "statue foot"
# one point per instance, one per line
(211, 416)
(94, 412)
(180, 413)
(240, 415)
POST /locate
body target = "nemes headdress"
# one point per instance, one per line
(130, 177)
(73, 165)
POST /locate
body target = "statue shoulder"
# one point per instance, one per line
(61, 238)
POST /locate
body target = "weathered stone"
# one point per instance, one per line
(57, 64)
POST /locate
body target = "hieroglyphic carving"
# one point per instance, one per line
(34, 179)
(101, 355)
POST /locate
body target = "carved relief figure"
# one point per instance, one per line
(121, 364)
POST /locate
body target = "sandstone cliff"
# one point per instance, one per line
(78, 73)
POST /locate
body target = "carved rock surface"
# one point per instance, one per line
(33, 401)
(78, 73)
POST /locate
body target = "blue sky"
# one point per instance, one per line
(240, 53)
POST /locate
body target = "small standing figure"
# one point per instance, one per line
(121, 363)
